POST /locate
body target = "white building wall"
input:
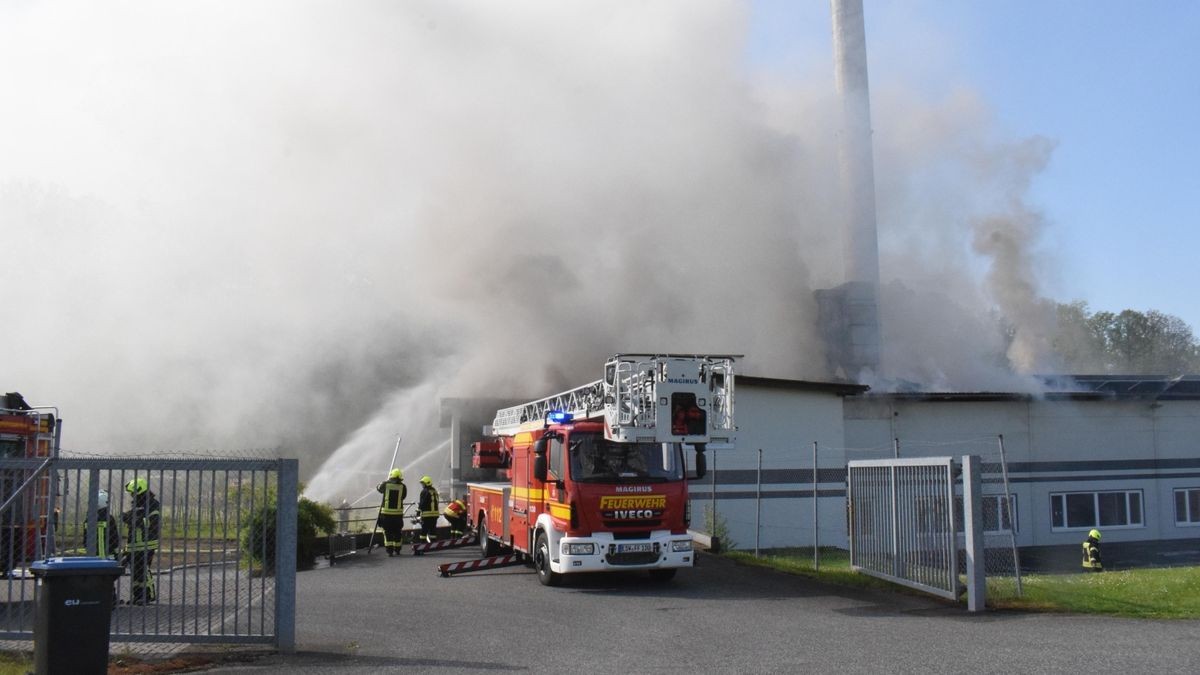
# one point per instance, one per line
(925, 428)
(1052, 446)
(783, 423)
(1177, 437)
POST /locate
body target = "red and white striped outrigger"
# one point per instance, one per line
(424, 547)
(482, 564)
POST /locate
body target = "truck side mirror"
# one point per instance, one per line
(540, 468)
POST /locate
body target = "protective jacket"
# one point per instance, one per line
(108, 535)
(428, 502)
(142, 523)
(455, 509)
(1091, 555)
(394, 492)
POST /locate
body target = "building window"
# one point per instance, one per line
(995, 516)
(1085, 510)
(1187, 506)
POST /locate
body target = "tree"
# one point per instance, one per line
(1076, 342)
(1150, 342)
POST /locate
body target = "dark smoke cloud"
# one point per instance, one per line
(299, 225)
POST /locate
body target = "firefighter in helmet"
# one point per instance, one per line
(455, 513)
(1091, 552)
(143, 522)
(428, 506)
(391, 512)
(108, 533)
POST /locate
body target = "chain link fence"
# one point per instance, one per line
(762, 501)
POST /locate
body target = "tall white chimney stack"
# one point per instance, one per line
(858, 189)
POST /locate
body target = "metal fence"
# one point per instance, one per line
(225, 567)
(793, 502)
(902, 524)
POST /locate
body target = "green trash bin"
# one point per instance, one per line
(74, 608)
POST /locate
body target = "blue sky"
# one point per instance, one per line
(1115, 83)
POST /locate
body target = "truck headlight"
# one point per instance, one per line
(681, 545)
(578, 549)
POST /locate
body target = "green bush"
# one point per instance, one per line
(313, 520)
(714, 524)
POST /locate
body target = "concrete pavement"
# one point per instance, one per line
(378, 614)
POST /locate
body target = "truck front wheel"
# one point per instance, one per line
(541, 562)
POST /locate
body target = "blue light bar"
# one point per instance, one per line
(559, 417)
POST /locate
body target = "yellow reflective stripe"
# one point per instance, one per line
(560, 510)
(528, 493)
(102, 538)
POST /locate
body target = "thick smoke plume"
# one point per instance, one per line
(298, 226)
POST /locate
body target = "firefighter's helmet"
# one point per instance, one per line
(396, 473)
(1094, 534)
(137, 486)
(102, 499)
(426, 480)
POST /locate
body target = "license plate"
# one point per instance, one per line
(634, 548)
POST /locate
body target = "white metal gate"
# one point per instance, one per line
(902, 522)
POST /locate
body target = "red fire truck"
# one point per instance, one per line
(595, 478)
(26, 527)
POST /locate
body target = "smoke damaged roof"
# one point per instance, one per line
(1077, 388)
(1130, 386)
(839, 388)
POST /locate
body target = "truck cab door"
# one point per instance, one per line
(557, 501)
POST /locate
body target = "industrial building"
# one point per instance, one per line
(1121, 454)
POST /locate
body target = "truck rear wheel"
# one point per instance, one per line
(487, 547)
(541, 562)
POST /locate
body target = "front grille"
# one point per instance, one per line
(631, 558)
(640, 534)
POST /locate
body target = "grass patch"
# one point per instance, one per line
(834, 566)
(1151, 593)
(1155, 593)
(15, 663)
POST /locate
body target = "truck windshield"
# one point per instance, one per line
(596, 460)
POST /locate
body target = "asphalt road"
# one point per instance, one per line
(378, 614)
